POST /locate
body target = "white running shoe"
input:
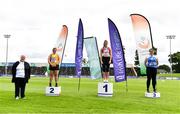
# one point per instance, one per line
(23, 98)
(105, 81)
(17, 98)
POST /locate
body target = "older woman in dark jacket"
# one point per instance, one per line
(21, 71)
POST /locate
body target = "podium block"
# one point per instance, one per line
(53, 91)
(105, 89)
(152, 95)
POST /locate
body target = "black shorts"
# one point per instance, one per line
(54, 67)
(105, 65)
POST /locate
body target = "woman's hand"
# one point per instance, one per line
(101, 62)
(53, 64)
(57, 63)
(109, 62)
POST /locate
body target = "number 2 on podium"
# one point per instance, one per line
(106, 88)
(51, 90)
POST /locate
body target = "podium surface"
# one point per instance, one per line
(152, 95)
(105, 89)
(53, 91)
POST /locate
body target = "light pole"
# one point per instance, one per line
(170, 37)
(7, 36)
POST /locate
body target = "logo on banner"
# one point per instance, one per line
(120, 77)
(144, 43)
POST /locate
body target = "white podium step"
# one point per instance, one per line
(152, 95)
(53, 91)
(105, 89)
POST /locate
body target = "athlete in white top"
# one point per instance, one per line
(105, 57)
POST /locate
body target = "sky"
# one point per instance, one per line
(34, 25)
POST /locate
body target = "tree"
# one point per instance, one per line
(164, 67)
(175, 62)
(136, 62)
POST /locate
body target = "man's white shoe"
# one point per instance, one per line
(17, 98)
(24, 98)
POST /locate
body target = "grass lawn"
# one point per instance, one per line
(87, 101)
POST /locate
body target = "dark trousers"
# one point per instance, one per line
(105, 65)
(151, 74)
(20, 85)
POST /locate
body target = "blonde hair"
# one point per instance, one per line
(104, 43)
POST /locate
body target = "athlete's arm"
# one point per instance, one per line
(59, 60)
(157, 61)
(145, 61)
(101, 56)
(110, 56)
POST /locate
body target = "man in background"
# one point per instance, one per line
(21, 71)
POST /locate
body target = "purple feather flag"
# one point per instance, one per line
(79, 49)
(119, 63)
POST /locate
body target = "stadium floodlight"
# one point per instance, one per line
(7, 36)
(170, 37)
